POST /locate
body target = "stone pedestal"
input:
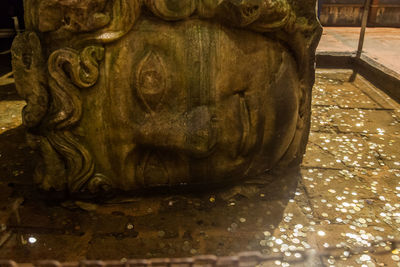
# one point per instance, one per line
(128, 94)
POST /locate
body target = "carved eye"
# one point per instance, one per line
(151, 80)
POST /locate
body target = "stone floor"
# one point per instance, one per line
(344, 202)
(381, 44)
(351, 172)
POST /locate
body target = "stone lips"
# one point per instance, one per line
(78, 35)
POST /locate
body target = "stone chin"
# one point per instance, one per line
(190, 102)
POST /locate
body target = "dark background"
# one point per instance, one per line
(9, 9)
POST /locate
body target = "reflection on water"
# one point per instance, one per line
(347, 198)
(166, 224)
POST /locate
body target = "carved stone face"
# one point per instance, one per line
(190, 102)
(127, 94)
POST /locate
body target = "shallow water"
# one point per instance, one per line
(347, 197)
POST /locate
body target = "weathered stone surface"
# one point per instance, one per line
(129, 94)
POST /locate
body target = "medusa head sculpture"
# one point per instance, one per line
(128, 94)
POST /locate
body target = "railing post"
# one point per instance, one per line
(364, 20)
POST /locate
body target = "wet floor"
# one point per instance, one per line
(344, 201)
